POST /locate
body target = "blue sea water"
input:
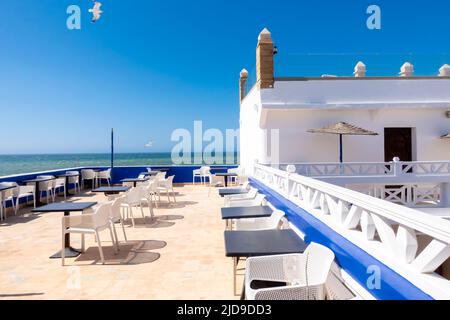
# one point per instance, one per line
(18, 164)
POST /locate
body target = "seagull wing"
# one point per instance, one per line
(97, 5)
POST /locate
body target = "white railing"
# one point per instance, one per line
(410, 195)
(412, 243)
(394, 168)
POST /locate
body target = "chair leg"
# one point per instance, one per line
(16, 206)
(112, 232)
(173, 194)
(63, 247)
(123, 229)
(132, 216)
(142, 212)
(100, 249)
(83, 243)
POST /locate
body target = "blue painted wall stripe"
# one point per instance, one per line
(350, 257)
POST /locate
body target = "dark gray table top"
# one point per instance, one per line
(65, 207)
(262, 243)
(226, 174)
(246, 212)
(6, 187)
(150, 173)
(112, 189)
(38, 180)
(134, 180)
(232, 191)
(64, 175)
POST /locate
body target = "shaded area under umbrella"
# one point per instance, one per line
(341, 129)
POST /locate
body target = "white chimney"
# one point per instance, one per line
(444, 71)
(407, 70)
(360, 69)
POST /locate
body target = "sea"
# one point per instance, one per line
(19, 164)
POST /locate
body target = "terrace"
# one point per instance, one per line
(170, 258)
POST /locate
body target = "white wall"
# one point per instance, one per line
(296, 145)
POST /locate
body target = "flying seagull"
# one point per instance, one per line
(96, 12)
(149, 144)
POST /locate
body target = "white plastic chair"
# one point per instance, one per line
(259, 200)
(133, 199)
(23, 192)
(304, 275)
(104, 175)
(201, 173)
(8, 195)
(88, 174)
(89, 224)
(59, 184)
(160, 176)
(238, 171)
(75, 180)
(149, 193)
(166, 186)
(257, 224)
(116, 217)
(47, 187)
(214, 182)
(250, 195)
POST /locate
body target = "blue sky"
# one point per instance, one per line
(150, 66)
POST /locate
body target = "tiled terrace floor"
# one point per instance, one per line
(181, 256)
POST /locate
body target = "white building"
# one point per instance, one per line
(336, 203)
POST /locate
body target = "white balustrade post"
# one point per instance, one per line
(398, 167)
(445, 195)
(291, 169)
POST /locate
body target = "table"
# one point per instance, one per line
(246, 212)
(240, 244)
(231, 191)
(149, 173)
(232, 213)
(4, 187)
(225, 176)
(67, 176)
(67, 208)
(37, 191)
(112, 190)
(134, 180)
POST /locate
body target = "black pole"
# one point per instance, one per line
(341, 151)
(112, 149)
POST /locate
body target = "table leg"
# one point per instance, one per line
(69, 251)
(235, 262)
(66, 189)
(37, 194)
(1, 206)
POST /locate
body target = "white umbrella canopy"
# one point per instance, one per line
(341, 129)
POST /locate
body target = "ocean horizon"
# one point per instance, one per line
(11, 164)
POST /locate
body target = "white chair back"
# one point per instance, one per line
(115, 208)
(160, 176)
(10, 192)
(104, 174)
(59, 182)
(102, 214)
(134, 195)
(88, 174)
(319, 260)
(273, 222)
